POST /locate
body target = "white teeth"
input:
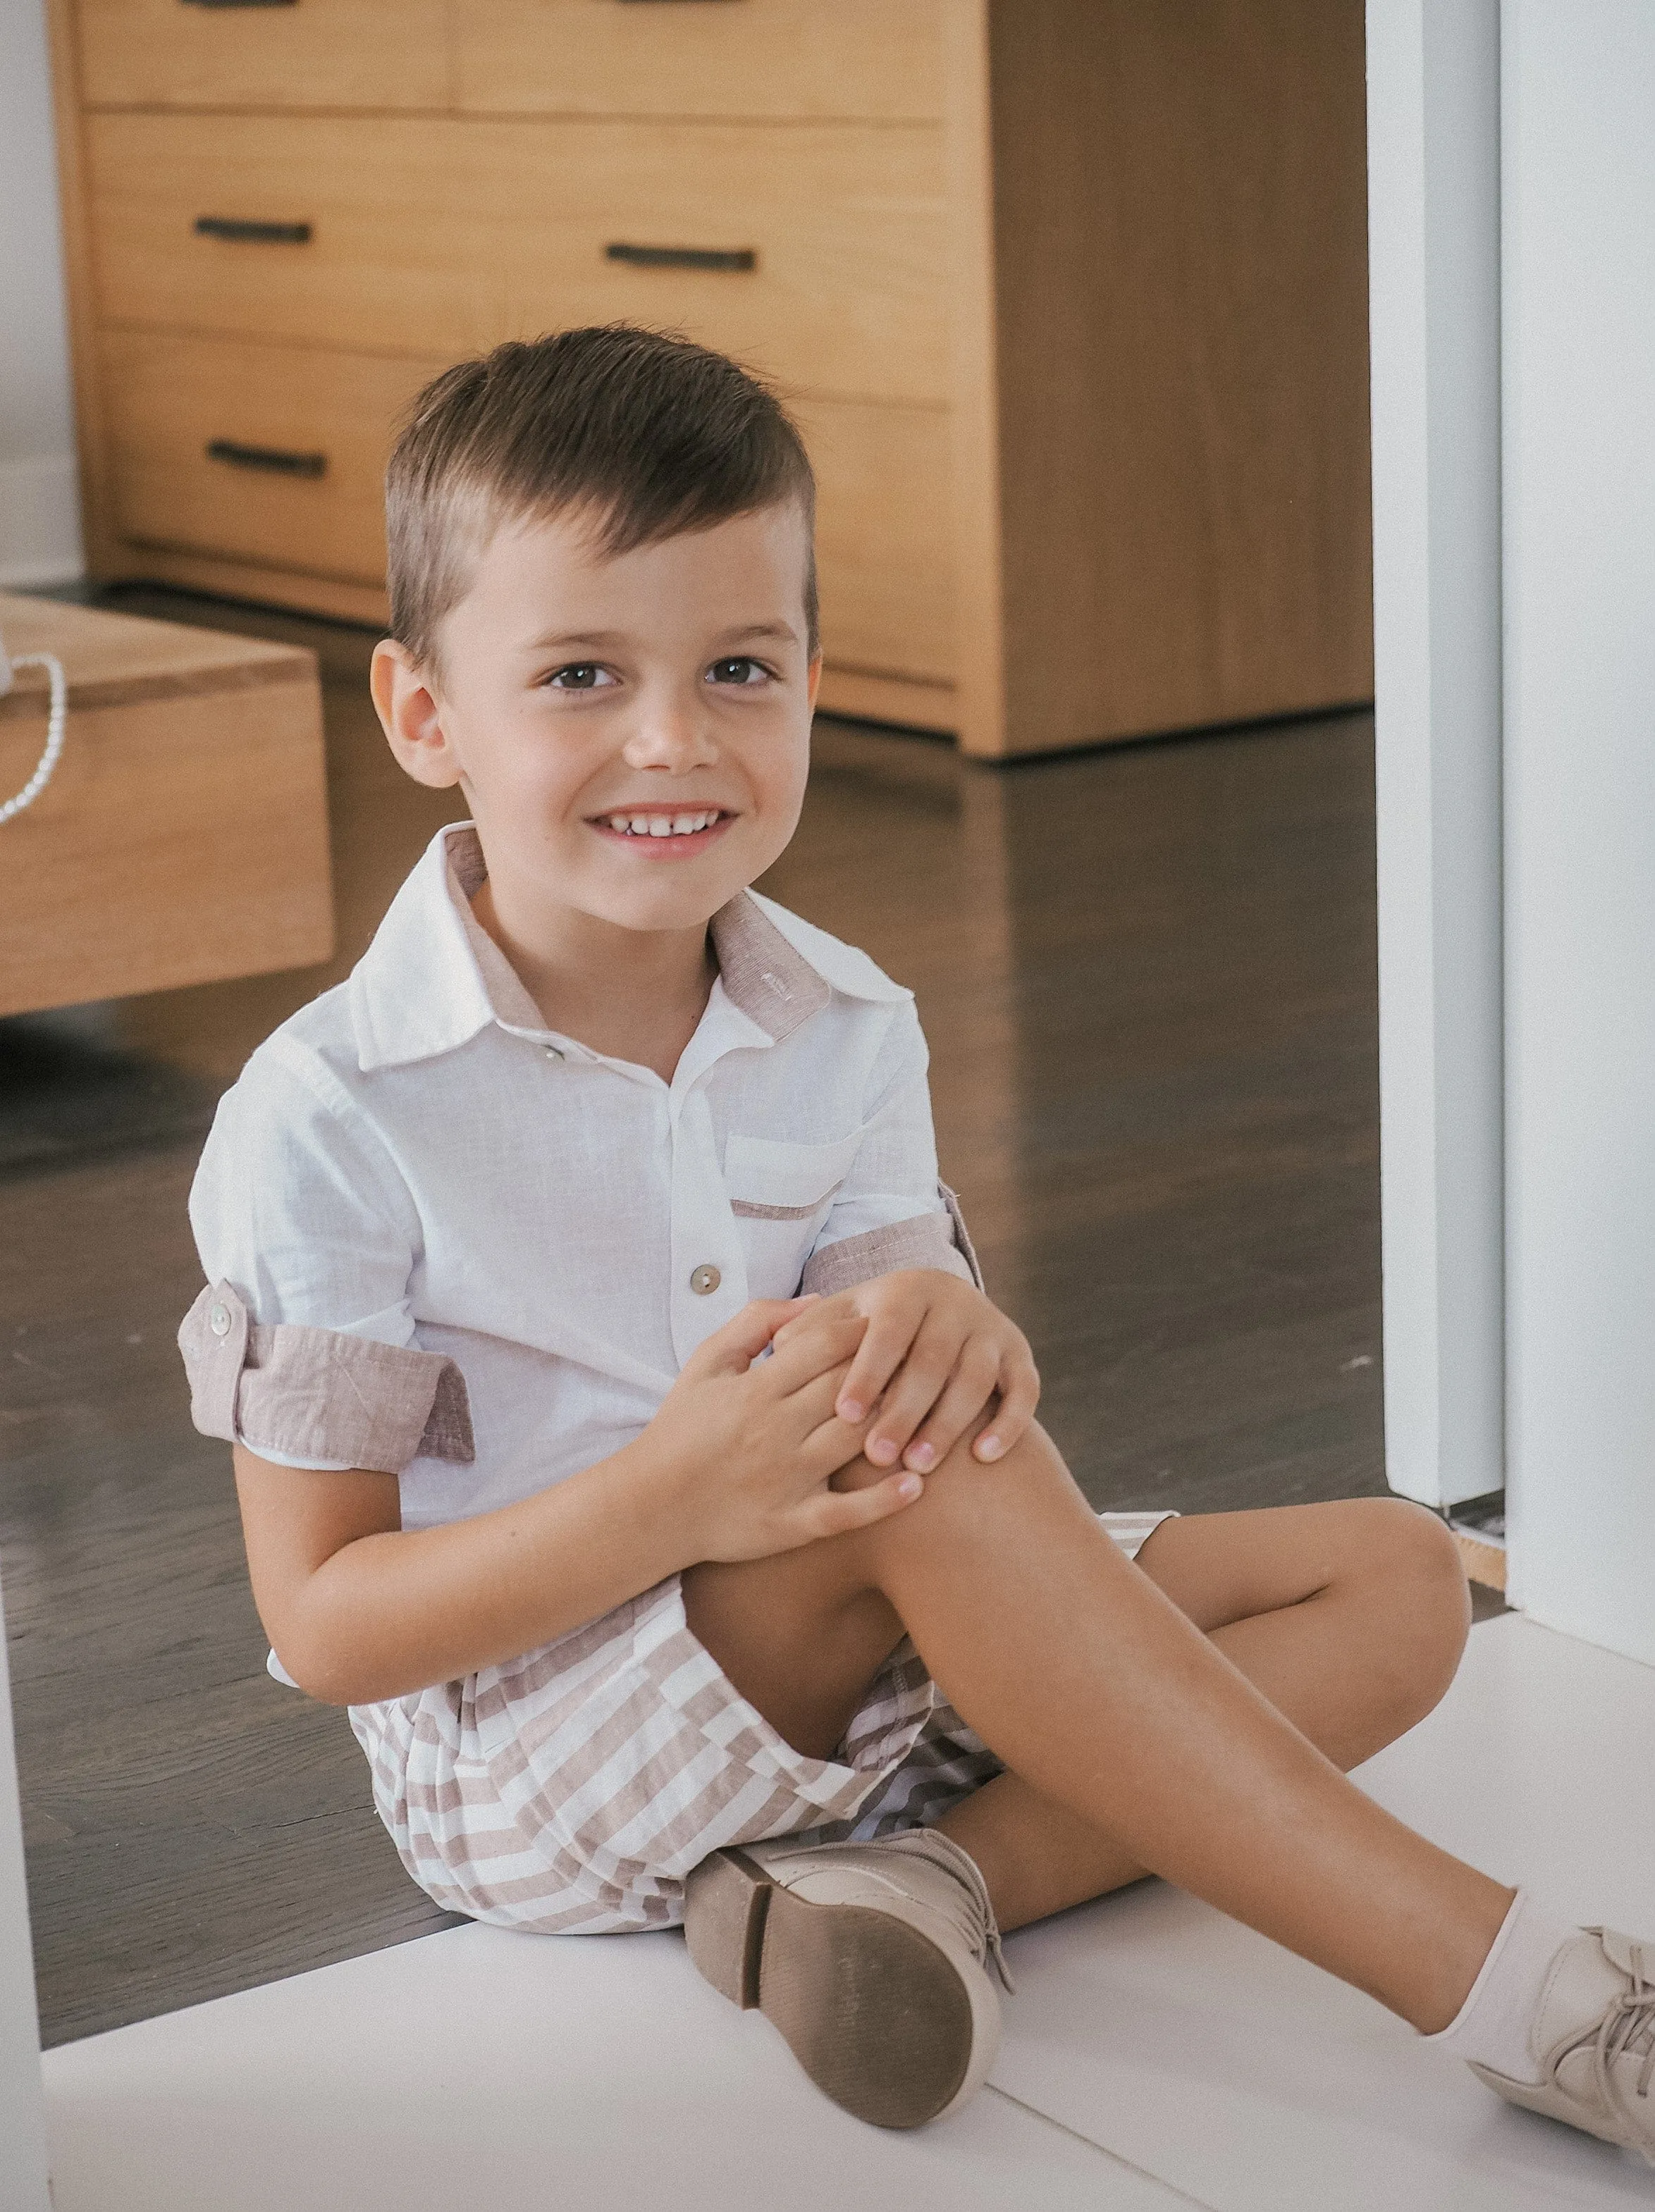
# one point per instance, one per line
(662, 825)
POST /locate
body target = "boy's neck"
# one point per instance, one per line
(636, 996)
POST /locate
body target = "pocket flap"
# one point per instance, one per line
(759, 1172)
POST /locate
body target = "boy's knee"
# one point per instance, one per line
(968, 1496)
(1415, 1565)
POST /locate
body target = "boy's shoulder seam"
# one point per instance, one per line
(845, 968)
(303, 1059)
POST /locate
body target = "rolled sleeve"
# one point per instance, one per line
(301, 1346)
(891, 1210)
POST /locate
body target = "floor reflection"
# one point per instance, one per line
(1148, 976)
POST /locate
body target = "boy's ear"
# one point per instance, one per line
(409, 716)
(814, 677)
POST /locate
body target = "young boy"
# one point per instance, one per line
(621, 1431)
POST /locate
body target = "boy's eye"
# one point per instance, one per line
(580, 675)
(740, 669)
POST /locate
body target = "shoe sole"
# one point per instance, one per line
(877, 2015)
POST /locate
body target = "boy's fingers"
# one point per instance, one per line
(1020, 1395)
(921, 1382)
(732, 1349)
(890, 1337)
(835, 1512)
(810, 1353)
(968, 1389)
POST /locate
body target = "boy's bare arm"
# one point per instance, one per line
(735, 1465)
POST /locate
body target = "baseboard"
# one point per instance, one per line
(40, 522)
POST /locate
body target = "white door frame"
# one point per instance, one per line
(22, 2120)
(1434, 233)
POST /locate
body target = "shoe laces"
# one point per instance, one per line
(1628, 2030)
(981, 1928)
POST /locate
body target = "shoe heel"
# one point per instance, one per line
(725, 1902)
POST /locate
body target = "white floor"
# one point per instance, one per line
(1155, 2055)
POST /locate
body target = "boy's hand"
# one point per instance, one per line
(936, 1354)
(751, 1444)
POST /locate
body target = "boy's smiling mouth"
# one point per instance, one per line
(677, 833)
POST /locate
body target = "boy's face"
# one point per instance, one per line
(632, 734)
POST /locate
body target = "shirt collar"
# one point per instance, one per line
(433, 978)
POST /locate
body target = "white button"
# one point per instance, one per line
(552, 1053)
(218, 1320)
(704, 1281)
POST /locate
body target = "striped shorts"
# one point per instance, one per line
(572, 1791)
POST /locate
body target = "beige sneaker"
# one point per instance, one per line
(870, 1958)
(1593, 2037)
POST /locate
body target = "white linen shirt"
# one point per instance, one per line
(415, 1162)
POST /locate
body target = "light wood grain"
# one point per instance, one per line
(975, 537)
(170, 397)
(888, 699)
(884, 508)
(182, 839)
(330, 53)
(1112, 305)
(253, 583)
(876, 58)
(444, 237)
(111, 659)
(1180, 267)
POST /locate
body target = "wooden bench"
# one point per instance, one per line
(183, 838)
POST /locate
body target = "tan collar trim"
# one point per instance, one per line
(467, 874)
(764, 975)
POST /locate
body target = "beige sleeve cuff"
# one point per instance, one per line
(318, 1394)
(927, 1240)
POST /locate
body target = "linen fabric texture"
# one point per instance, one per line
(416, 1165)
(443, 1241)
(573, 1791)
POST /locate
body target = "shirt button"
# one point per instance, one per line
(704, 1281)
(218, 1320)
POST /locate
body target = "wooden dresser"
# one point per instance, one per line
(1069, 296)
(183, 838)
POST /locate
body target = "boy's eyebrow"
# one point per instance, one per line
(600, 641)
(564, 640)
(760, 629)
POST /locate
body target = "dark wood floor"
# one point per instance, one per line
(1149, 980)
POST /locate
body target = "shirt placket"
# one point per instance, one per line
(710, 1273)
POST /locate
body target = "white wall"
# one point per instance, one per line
(1578, 163)
(39, 523)
(1433, 216)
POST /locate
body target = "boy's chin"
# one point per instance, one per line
(675, 906)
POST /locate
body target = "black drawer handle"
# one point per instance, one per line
(684, 256)
(271, 457)
(240, 3)
(253, 233)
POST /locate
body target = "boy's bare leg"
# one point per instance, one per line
(1350, 1618)
(1107, 1701)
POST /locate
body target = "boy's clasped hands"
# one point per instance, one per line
(862, 1395)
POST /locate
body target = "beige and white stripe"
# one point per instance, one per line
(572, 1791)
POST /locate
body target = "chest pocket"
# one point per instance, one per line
(770, 1181)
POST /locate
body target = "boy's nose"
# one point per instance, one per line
(673, 735)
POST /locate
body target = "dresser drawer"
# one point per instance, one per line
(316, 53)
(878, 58)
(437, 237)
(884, 536)
(298, 439)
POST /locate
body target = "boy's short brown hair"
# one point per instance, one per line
(651, 433)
